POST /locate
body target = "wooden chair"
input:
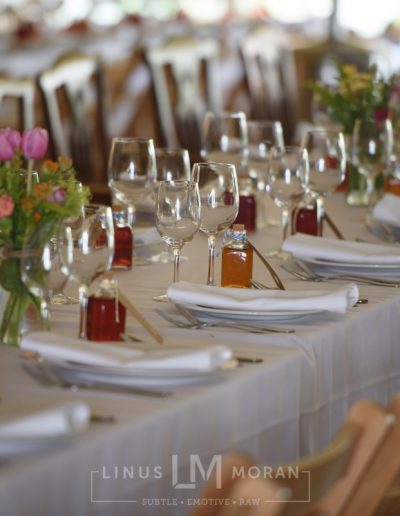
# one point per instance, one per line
(23, 92)
(271, 77)
(73, 92)
(184, 75)
(321, 484)
(382, 473)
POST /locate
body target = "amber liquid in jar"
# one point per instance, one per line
(237, 260)
(103, 321)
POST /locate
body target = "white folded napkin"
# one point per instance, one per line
(333, 300)
(146, 236)
(387, 210)
(54, 346)
(58, 420)
(307, 246)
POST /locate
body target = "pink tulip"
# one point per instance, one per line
(34, 143)
(14, 138)
(6, 150)
(6, 206)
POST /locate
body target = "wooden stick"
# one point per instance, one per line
(333, 227)
(139, 317)
(274, 275)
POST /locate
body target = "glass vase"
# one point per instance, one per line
(17, 300)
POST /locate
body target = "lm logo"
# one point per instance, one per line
(196, 467)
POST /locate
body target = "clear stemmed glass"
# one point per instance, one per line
(262, 135)
(219, 197)
(327, 162)
(287, 173)
(177, 216)
(132, 172)
(224, 139)
(93, 244)
(45, 264)
(372, 146)
(172, 165)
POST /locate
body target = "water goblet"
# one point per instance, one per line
(172, 165)
(371, 152)
(327, 166)
(225, 139)
(132, 173)
(262, 135)
(45, 263)
(287, 172)
(177, 217)
(93, 244)
(219, 197)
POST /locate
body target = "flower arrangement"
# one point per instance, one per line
(28, 200)
(357, 95)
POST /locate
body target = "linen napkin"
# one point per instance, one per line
(334, 300)
(387, 210)
(58, 420)
(54, 346)
(308, 246)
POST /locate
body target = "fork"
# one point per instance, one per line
(197, 323)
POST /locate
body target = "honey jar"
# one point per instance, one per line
(237, 259)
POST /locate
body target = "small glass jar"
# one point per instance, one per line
(247, 205)
(237, 259)
(105, 314)
(305, 219)
(123, 235)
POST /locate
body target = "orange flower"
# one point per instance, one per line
(52, 165)
(41, 190)
(37, 216)
(27, 203)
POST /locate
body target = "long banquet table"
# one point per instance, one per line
(288, 406)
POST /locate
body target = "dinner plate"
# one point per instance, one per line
(351, 265)
(22, 446)
(113, 375)
(252, 315)
(389, 272)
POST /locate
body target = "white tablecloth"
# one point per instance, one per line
(290, 405)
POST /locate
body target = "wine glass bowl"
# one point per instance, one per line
(219, 198)
(327, 166)
(93, 244)
(131, 169)
(225, 139)
(287, 170)
(45, 264)
(177, 216)
(372, 146)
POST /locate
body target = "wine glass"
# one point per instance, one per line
(262, 135)
(372, 146)
(177, 217)
(287, 172)
(93, 243)
(219, 197)
(225, 140)
(45, 264)
(132, 173)
(172, 165)
(327, 162)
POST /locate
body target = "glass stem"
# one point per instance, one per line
(177, 252)
(370, 190)
(320, 214)
(45, 314)
(211, 255)
(285, 223)
(83, 303)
